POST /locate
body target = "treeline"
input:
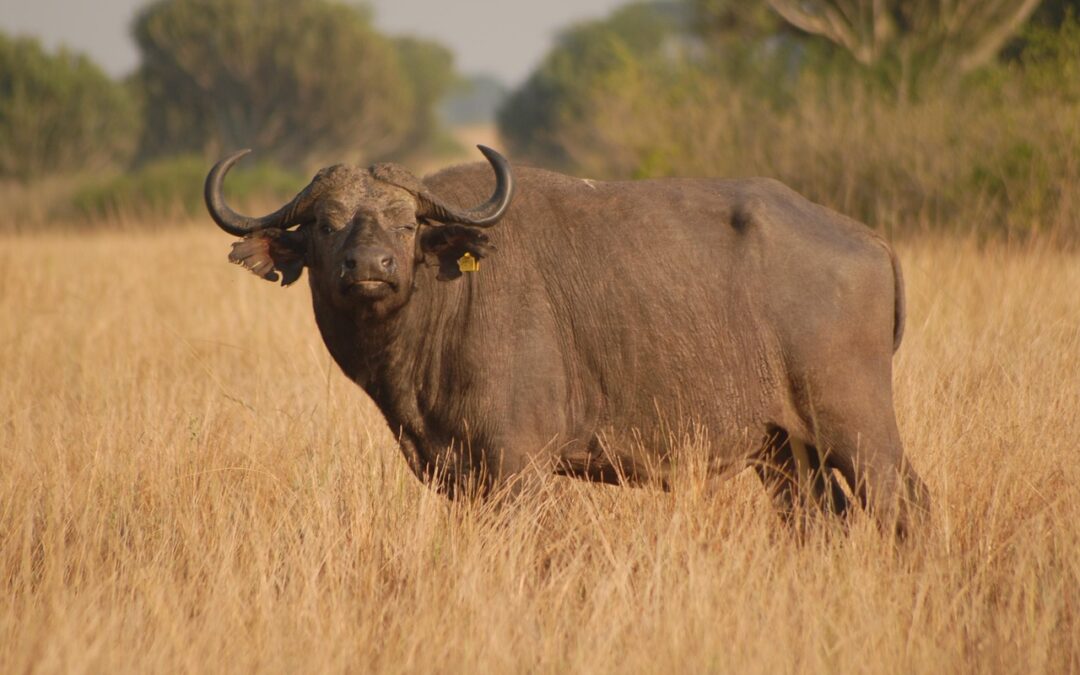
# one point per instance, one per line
(301, 81)
(909, 114)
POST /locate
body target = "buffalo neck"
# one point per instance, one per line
(393, 357)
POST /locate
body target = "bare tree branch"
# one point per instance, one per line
(954, 36)
(995, 37)
(827, 21)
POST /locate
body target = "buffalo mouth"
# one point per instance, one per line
(370, 288)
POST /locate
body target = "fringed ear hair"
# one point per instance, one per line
(268, 252)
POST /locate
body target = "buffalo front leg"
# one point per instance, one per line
(445, 469)
(517, 467)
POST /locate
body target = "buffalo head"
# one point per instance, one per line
(360, 232)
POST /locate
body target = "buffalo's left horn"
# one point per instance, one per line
(488, 213)
(231, 221)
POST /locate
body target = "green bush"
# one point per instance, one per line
(590, 61)
(59, 113)
(1050, 62)
(995, 154)
(173, 188)
(298, 80)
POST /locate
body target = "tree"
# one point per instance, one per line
(722, 22)
(589, 60)
(1054, 13)
(297, 79)
(59, 112)
(429, 72)
(1050, 16)
(912, 38)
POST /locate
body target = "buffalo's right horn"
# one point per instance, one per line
(233, 222)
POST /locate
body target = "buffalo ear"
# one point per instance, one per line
(268, 252)
(442, 247)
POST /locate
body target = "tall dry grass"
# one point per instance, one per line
(187, 483)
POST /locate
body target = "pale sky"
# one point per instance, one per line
(505, 38)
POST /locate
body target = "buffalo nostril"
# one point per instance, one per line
(350, 263)
(387, 262)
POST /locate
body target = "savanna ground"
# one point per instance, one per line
(189, 484)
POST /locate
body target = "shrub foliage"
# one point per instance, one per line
(169, 188)
(295, 79)
(59, 112)
(993, 152)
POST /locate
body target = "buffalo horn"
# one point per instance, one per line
(231, 221)
(488, 213)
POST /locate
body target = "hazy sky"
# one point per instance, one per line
(505, 38)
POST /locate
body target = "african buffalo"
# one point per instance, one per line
(600, 317)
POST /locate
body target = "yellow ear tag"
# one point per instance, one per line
(467, 263)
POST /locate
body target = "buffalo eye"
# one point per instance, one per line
(406, 228)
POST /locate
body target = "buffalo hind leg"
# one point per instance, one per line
(890, 490)
(799, 480)
(864, 445)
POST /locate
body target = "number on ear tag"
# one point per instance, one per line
(467, 263)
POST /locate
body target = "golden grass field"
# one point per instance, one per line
(187, 483)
